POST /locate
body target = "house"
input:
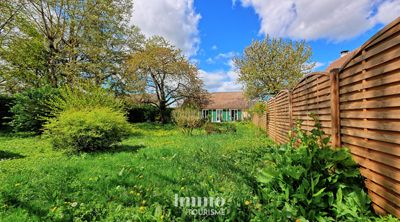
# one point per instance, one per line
(226, 107)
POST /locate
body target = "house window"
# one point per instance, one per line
(219, 115)
(234, 114)
(205, 114)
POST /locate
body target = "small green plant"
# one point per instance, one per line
(88, 129)
(187, 118)
(31, 109)
(308, 180)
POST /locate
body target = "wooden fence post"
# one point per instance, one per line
(335, 109)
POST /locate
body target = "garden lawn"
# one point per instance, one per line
(137, 181)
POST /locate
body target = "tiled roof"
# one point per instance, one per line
(227, 100)
(340, 61)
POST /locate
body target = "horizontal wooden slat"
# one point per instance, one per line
(390, 148)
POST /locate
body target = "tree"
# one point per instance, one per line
(165, 75)
(8, 13)
(271, 65)
(88, 39)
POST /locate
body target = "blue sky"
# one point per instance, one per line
(212, 32)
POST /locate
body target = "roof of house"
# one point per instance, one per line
(227, 100)
(338, 63)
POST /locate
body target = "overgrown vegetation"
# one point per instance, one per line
(138, 179)
(217, 128)
(307, 180)
(135, 181)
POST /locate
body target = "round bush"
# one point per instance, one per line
(88, 129)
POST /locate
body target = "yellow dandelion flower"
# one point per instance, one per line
(247, 202)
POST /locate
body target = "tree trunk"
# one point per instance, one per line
(163, 112)
(52, 63)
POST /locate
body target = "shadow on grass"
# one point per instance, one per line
(126, 148)
(6, 155)
(32, 209)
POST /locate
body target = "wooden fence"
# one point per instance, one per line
(359, 107)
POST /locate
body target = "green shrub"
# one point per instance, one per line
(312, 182)
(6, 102)
(31, 109)
(187, 118)
(84, 95)
(87, 129)
(142, 113)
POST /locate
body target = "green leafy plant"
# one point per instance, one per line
(308, 180)
(88, 129)
(84, 95)
(187, 118)
(31, 109)
(258, 108)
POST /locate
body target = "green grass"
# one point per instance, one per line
(136, 181)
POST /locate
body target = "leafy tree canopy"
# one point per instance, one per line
(165, 75)
(271, 65)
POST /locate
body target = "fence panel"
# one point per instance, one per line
(312, 95)
(369, 107)
(260, 120)
(282, 117)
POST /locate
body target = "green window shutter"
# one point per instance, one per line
(239, 114)
(214, 115)
(224, 115)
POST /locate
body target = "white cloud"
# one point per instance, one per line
(214, 47)
(223, 58)
(176, 20)
(226, 55)
(318, 65)
(210, 61)
(387, 11)
(334, 20)
(221, 81)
